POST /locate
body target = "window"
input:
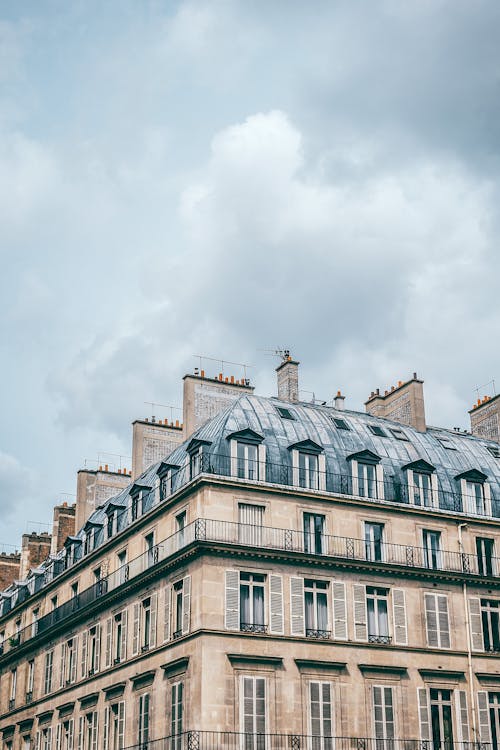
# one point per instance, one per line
(111, 525)
(320, 715)
(90, 732)
(285, 413)
(377, 610)
(166, 485)
(250, 524)
(151, 552)
(46, 738)
(308, 470)
(253, 712)
(374, 535)
(475, 500)
(74, 589)
(247, 461)
(314, 528)
(97, 574)
(422, 489)
(53, 603)
(146, 624)
(383, 717)
(367, 480)
(94, 649)
(68, 662)
(445, 442)
(143, 724)
(398, 434)
(437, 620)
(494, 712)
(176, 715)
(178, 607)
(121, 560)
(30, 681)
(491, 624)
(340, 424)
(316, 608)
(431, 549)
(180, 525)
(376, 430)
(441, 718)
(47, 677)
(195, 463)
(67, 733)
(34, 622)
(495, 452)
(120, 636)
(13, 687)
(134, 507)
(485, 556)
(252, 603)
(114, 729)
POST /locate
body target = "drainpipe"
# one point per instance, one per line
(469, 641)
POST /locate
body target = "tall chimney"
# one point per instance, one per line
(485, 418)
(403, 403)
(288, 380)
(339, 400)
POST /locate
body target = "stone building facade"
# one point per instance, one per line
(290, 576)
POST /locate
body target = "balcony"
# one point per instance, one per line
(253, 627)
(383, 639)
(319, 635)
(29, 696)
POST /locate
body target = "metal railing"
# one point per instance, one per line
(217, 740)
(205, 530)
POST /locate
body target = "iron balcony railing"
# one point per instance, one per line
(205, 740)
(204, 530)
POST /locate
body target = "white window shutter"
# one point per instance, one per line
(232, 604)
(74, 662)
(431, 620)
(71, 734)
(62, 680)
(123, 648)
(465, 499)
(339, 611)
(109, 642)
(261, 452)
(85, 636)
(136, 627)
(186, 605)
(434, 490)
(95, 734)
(355, 480)
(234, 457)
(105, 731)
(322, 472)
(58, 736)
(166, 612)
(121, 725)
(379, 473)
(462, 714)
(476, 626)
(410, 480)
(484, 716)
(49, 738)
(295, 467)
(152, 622)
(81, 731)
(487, 498)
(360, 626)
(97, 647)
(444, 622)
(424, 714)
(37, 740)
(276, 618)
(297, 606)
(399, 614)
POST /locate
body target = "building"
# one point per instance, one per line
(289, 574)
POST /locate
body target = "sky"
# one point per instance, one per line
(225, 178)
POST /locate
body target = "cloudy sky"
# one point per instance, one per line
(224, 177)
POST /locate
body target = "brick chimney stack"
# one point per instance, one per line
(403, 403)
(485, 418)
(288, 379)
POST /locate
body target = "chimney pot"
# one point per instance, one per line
(176, 422)
(106, 467)
(202, 373)
(232, 378)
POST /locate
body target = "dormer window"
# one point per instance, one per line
(476, 495)
(111, 524)
(308, 465)
(248, 456)
(367, 475)
(195, 450)
(139, 495)
(422, 484)
(134, 507)
(166, 476)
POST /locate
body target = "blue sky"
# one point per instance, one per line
(224, 177)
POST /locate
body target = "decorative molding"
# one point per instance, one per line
(87, 701)
(176, 667)
(332, 666)
(246, 659)
(44, 717)
(486, 678)
(382, 669)
(143, 679)
(65, 708)
(115, 690)
(441, 674)
(25, 725)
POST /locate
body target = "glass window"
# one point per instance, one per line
(253, 712)
(383, 716)
(149, 542)
(314, 527)
(308, 470)
(474, 498)
(340, 423)
(320, 715)
(180, 525)
(146, 623)
(485, 556)
(247, 461)
(316, 608)
(176, 717)
(377, 609)
(178, 605)
(367, 480)
(134, 507)
(422, 489)
(491, 624)
(143, 724)
(166, 485)
(47, 680)
(374, 537)
(195, 463)
(441, 719)
(494, 710)
(252, 602)
(432, 549)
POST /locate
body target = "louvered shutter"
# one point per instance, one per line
(105, 733)
(37, 740)
(152, 622)
(484, 716)
(95, 735)
(81, 730)
(339, 611)
(71, 734)
(136, 629)
(58, 736)
(234, 457)
(109, 642)
(261, 452)
(166, 612)
(360, 626)
(186, 605)
(487, 498)
(123, 646)
(121, 725)
(276, 624)
(322, 472)
(297, 626)
(462, 714)
(355, 479)
(443, 620)
(85, 636)
(62, 680)
(410, 480)
(232, 604)
(379, 473)
(49, 738)
(295, 467)
(74, 660)
(424, 714)
(431, 620)
(476, 626)
(97, 664)
(399, 614)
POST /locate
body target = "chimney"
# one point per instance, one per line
(339, 401)
(404, 403)
(288, 380)
(485, 418)
(34, 550)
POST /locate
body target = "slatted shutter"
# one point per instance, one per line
(85, 637)
(109, 642)
(71, 734)
(58, 736)
(462, 714)
(136, 629)
(97, 663)
(379, 473)
(476, 626)
(487, 498)
(360, 626)
(121, 726)
(424, 714)
(261, 453)
(81, 731)
(399, 614)
(95, 734)
(62, 680)
(166, 612)
(322, 472)
(295, 467)
(297, 626)
(232, 604)
(431, 620)
(123, 645)
(37, 740)
(49, 738)
(186, 605)
(444, 622)
(105, 732)
(234, 457)
(484, 716)
(276, 618)
(355, 479)
(339, 611)
(153, 620)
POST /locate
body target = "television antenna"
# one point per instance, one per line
(482, 387)
(222, 362)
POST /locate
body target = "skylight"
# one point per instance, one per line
(285, 413)
(378, 431)
(340, 424)
(398, 434)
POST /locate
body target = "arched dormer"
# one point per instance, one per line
(308, 465)
(248, 455)
(422, 483)
(367, 474)
(475, 491)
